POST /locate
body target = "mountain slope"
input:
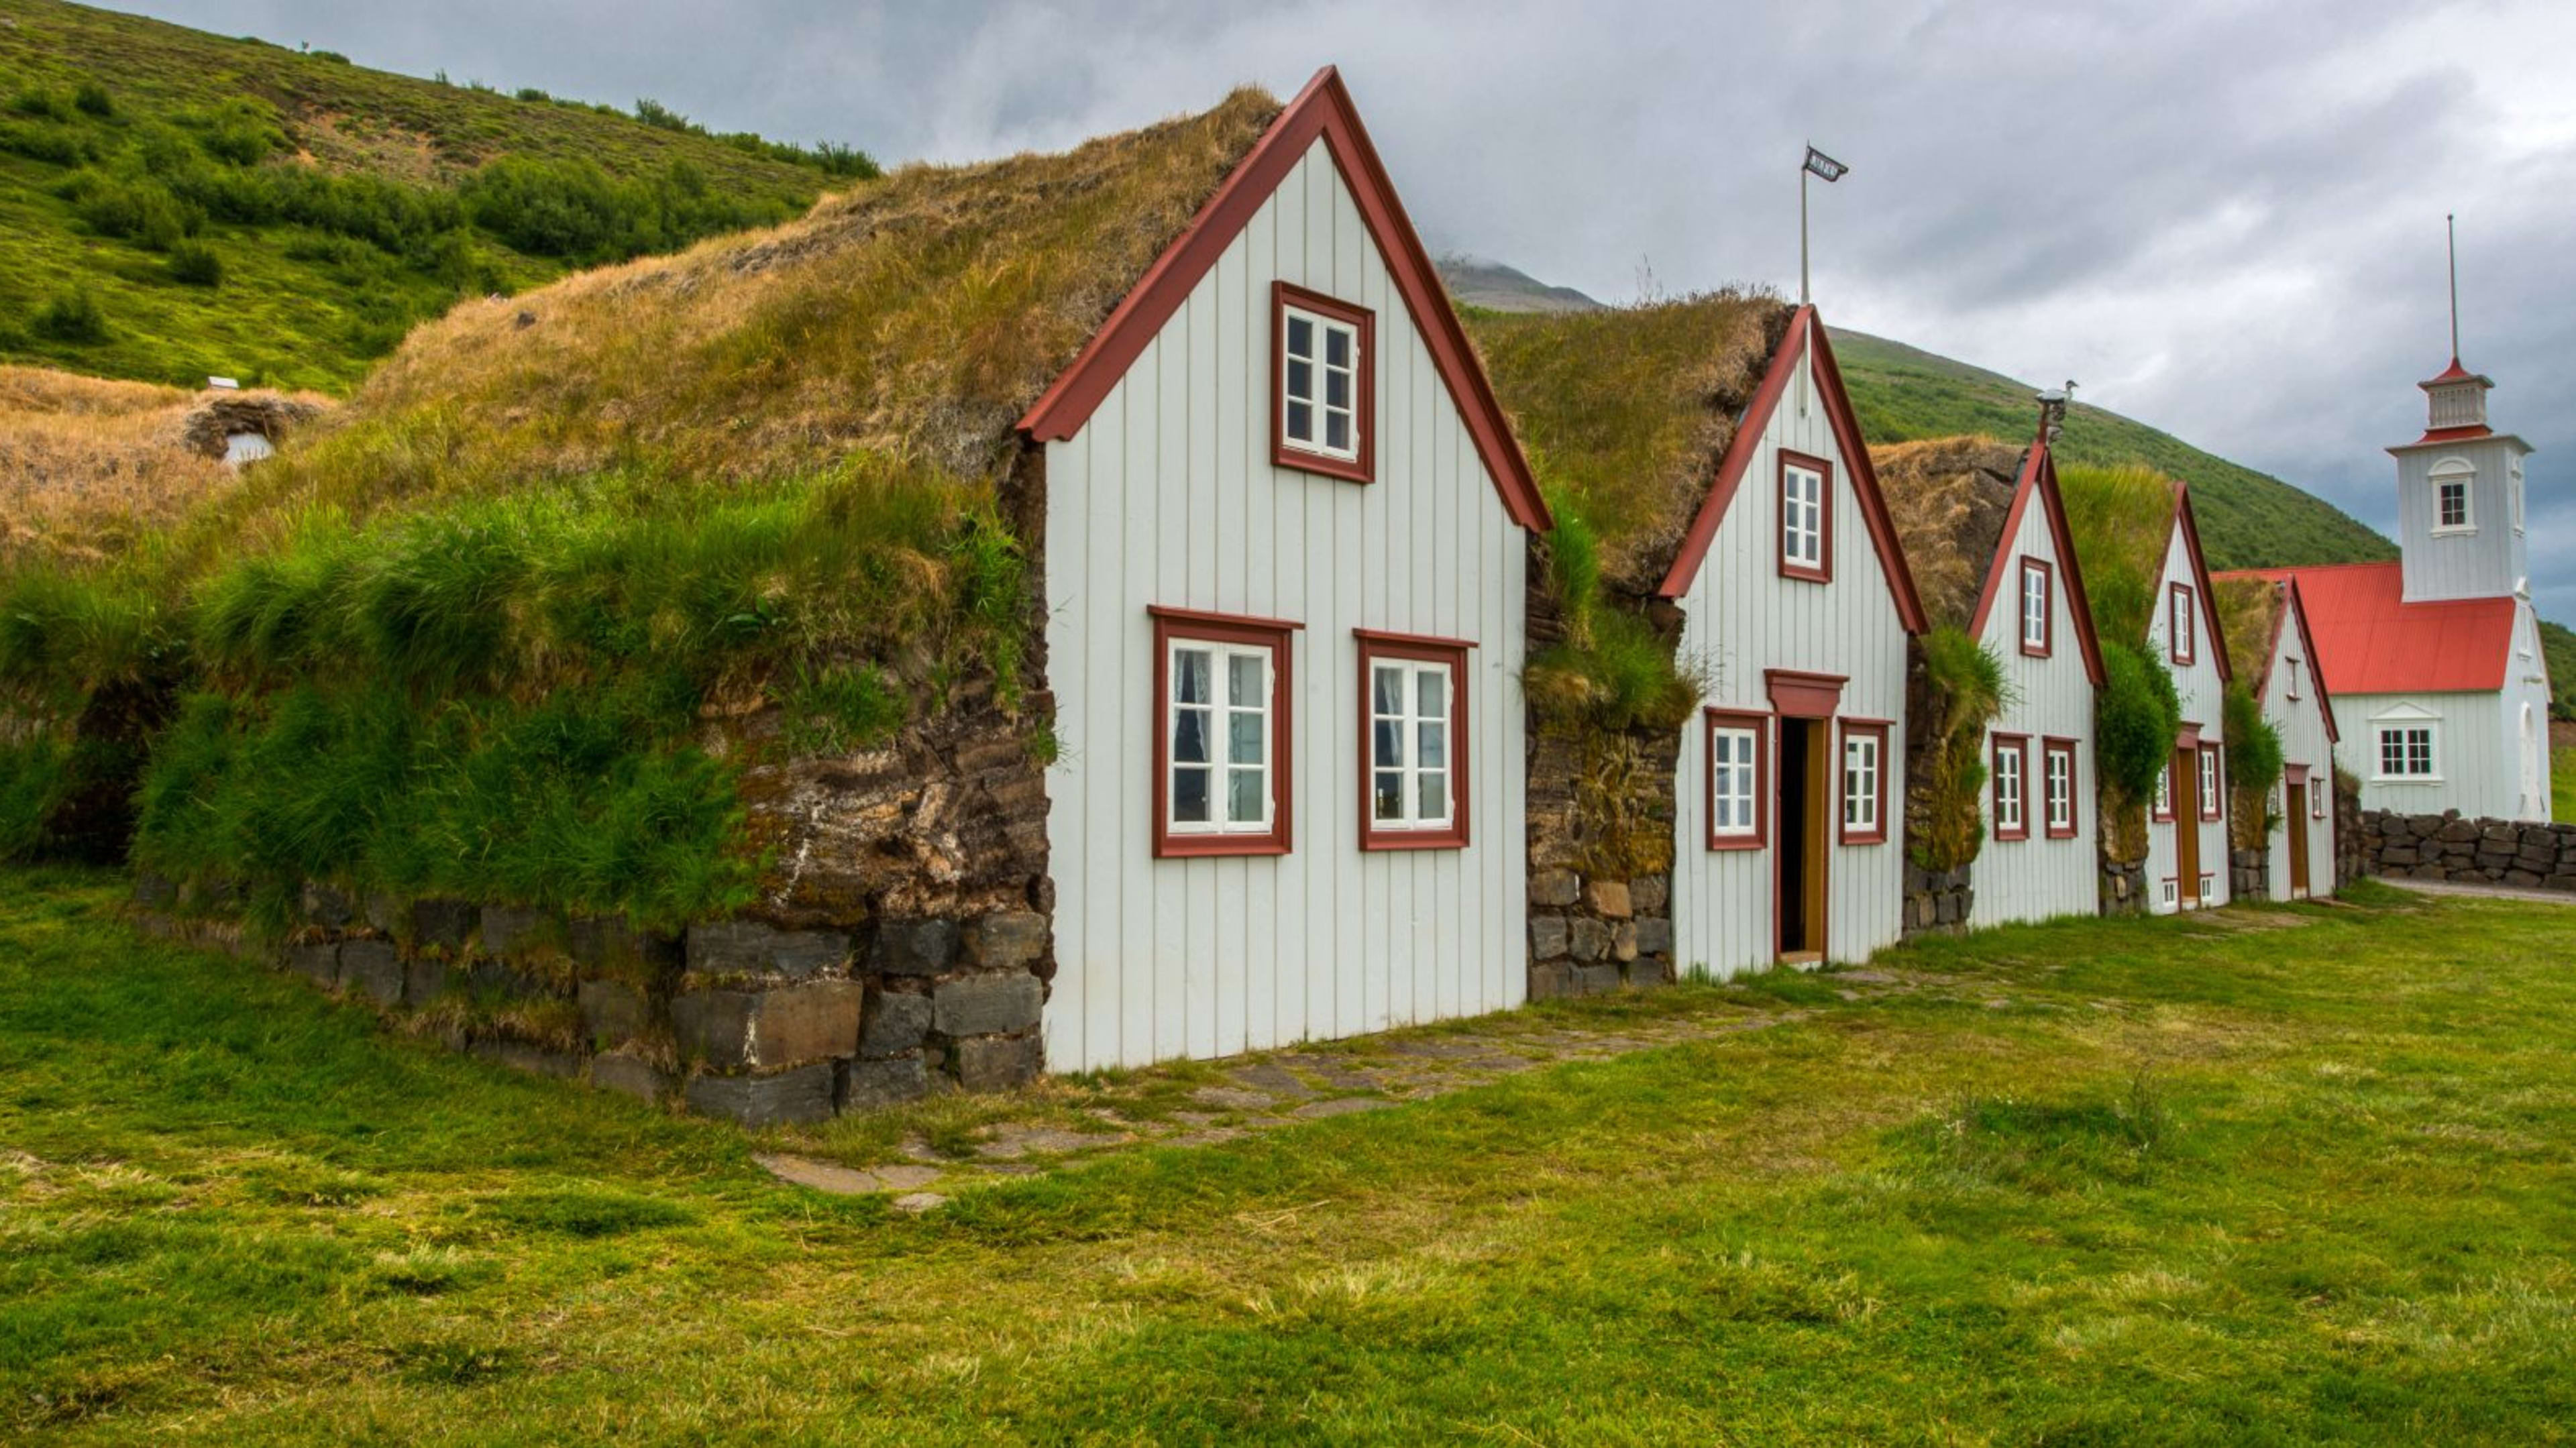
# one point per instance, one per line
(174, 204)
(2247, 519)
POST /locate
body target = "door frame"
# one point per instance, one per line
(2186, 823)
(2294, 820)
(1810, 701)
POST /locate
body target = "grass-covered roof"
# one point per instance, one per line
(86, 463)
(1949, 498)
(2123, 520)
(914, 317)
(2248, 610)
(1626, 412)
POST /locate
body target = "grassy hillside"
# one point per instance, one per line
(174, 204)
(2247, 519)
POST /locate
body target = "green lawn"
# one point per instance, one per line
(2110, 1182)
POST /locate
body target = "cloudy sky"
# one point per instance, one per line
(2223, 219)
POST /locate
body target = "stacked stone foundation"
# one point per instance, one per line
(1938, 902)
(743, 1020)
(1590, 936)
(2453, 848)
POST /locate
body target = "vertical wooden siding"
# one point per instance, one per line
(1741, 618)
(2302, 723)
(2036, 878)
(1168, 497)
(2203, 703)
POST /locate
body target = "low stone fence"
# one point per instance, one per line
(737, 1019)
(2477, 851)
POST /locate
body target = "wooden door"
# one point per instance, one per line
(2187, 829)
(1799, 866)
(2294, 816)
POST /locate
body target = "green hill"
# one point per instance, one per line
(174, 204)
(2247, 519)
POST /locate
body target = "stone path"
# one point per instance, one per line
(1062, 1126)
(2457, 890)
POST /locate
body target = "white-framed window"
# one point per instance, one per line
(2035, 601)
(1735, 780)
(2406, 751)
(1320, 391)
(2211, 806)
(2208, 886)
(1864, 783)
(2454, 505)
(1220, 738)
(2182, 623)
(2170, 897)
(2164, 792)
(2316, 798)
(1805, 517)
(2012, 798)
(2294, 679)
(2513, 482)
(1222, 751)
(2058, 788)
(1409, 744)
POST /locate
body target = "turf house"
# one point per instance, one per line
(1730, 592)
(2162, 719)
(1066, 611)
(2002, 776)
(2284, 781)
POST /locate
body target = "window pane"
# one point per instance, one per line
(1337, 431)
(1301, 421)
(1190, 736)
(1243, 738)
(1386, 689)
(1190, 676)
(1246, 670)
(1190, 796)
(1431, 739)
(1337, 346)
(1301, 380)
(1301, 336)
(1245, 795)
(1389, 743)
(1433, 795)
(1337, 388)
(1389, 795)
(1431, 691)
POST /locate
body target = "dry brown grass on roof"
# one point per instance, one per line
(917, 315)
(87, 464)
(1948, 497)
(2247, 609)
(1627, 411)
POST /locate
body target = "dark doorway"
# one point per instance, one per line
(1800, 896)
(2187, 829)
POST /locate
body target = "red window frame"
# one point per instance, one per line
(1851, 729)
(2316, 797)
(1760, 724)
(1187, 625)
(2052, 747)
(2047, 572)
(2019, 746)
(2163, 814)
(1361, 467)
(1823, 571)
(2182, 623)
(2213, 796)
(1375, 645)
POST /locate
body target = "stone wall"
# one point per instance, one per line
(2249, 874)
(2471, 851)
(1600, 837)
(2121, 830)
(2351, 856)
(1937, 902)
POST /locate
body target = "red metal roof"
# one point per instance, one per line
(2369, 640)
(2456, 373)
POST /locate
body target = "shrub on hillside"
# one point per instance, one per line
(196, 264)
(91, 98)
(72, 316)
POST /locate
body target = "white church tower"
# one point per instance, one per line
(2434, 662)
(2459, 497)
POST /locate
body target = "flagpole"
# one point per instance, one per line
(2451, 233)
(1802, 230)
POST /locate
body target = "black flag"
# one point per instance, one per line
(1824, 165)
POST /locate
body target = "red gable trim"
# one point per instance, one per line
(2039, 479)
(1323, 109)
(2316, 673)
(2200, 573)
(1805, 327)
(2291, 603)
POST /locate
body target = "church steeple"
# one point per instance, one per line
(2459, 489)
(2455, 402)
